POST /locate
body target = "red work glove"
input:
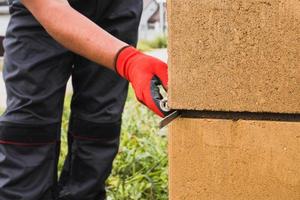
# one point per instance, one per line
(145, 73)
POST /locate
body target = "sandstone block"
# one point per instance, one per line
(234, 160)
(234, 55)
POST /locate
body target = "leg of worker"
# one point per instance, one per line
(97, 104)
(36, 70)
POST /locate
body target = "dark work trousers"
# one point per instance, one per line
(36, 71)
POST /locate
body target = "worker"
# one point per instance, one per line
(47, 41)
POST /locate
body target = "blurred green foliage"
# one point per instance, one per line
(140, 169)
(158, 43)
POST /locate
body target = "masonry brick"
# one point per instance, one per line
(234, 55)
(234, 160)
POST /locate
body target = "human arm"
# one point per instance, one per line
(75, 31)
(82, 36)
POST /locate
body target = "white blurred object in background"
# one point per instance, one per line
(4, 17)
(154, 20)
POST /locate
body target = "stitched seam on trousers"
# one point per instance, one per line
(26, 144)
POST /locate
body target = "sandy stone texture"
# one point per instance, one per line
(234, 55)
(234, 160)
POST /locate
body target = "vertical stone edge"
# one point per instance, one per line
(170, 49)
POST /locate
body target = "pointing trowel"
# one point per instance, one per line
(170, 117)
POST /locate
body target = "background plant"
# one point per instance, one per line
(157, 43)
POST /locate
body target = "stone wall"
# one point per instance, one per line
(235, 56)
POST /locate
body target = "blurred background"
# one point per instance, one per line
(140, 169)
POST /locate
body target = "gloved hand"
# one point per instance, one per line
(145, 73)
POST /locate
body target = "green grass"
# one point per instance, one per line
(157, 43)
(140, 169)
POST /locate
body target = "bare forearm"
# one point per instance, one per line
(75, 31)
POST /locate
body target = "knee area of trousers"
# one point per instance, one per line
(29, 135)
(85, 130)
